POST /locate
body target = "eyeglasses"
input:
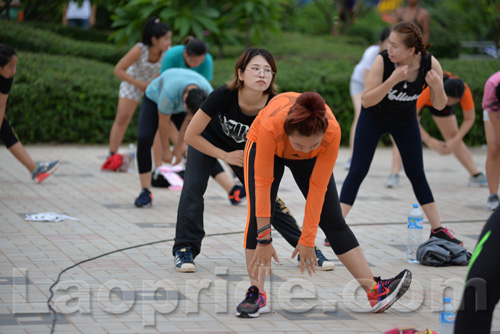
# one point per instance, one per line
(256, 71)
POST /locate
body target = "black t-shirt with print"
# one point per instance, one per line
(5, 85)
(399, 106)
(229, 126)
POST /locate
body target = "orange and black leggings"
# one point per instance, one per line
(331, 222)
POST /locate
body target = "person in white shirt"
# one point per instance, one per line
(82, 16)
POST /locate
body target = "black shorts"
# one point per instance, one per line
(7, 134)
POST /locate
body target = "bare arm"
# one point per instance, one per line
(425, 24)
(3, 104)
(194, 138)
(431, 142)
(434, 79)
(64, 19)
(124, 63)
(180, 146)
(163, 128)
(92, 15)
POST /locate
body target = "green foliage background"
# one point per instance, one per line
(65, 90)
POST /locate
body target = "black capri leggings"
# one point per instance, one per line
(407, 138)
(7, 134)
(481, 292)
(146, 130)
(331, 221)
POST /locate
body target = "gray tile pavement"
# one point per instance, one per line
(138, 290)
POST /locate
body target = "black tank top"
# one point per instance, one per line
(399, 106)
(5, 85)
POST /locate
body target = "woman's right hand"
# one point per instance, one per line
(234, 158)
(167, 155)
(437, 145)
(400, 74)
(142, 85)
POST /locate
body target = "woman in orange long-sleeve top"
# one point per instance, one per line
(299, 131)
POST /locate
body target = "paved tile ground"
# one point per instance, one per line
(138, 290)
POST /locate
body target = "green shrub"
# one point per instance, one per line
(445, 43)
(27, 38)
(63, 99)
(89, 35)
(69, 99)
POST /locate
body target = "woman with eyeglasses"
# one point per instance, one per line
(218, 131)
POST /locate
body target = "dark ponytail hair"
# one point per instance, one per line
(454, 87)
(412, 36)
(195, 46)
(385, 34)
(307, 116)
(154, 28)
(194, 99)
(6, 54)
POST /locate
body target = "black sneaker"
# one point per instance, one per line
(444, 233)
(253, 305)
(145, 199)
(384, 293)
(184, 260)
(237, 194)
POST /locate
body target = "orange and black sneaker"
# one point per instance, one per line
(237, 194)
(384, 293)
(254, 304)
(44, 170)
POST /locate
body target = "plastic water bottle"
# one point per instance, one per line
(446, 317)
(131, 153)
(415, 228)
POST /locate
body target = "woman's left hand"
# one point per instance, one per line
(433, 79)
(307, 258)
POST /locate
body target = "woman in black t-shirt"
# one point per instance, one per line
(39, 170)
(218, 131)
(395, 81)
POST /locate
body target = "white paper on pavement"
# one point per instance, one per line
(48, 217)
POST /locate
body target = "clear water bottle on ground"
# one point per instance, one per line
(415, 228)
(131, 153)
(446, 317)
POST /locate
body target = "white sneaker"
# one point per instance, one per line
(392, 181)
(348, 164)
(493, 202)
(478, 181)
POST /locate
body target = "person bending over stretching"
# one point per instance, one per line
(299, 131)
(218, 131)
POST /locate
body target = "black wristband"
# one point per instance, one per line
(264, 241)
(264, 228)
